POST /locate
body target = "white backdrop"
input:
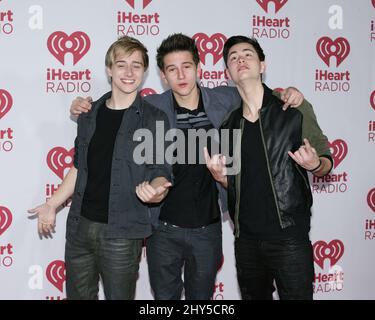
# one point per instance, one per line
(324, 47)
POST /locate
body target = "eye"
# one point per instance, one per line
(171, 70)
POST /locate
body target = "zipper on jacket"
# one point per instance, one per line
(238, 184)
(269, 169)
(303, 177)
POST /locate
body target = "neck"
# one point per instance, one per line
(119, 100)
(189, 101)
(252, 96)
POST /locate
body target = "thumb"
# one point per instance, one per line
(89, 99)
(168, 184)
(34, 210)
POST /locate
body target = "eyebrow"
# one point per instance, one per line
(245, 49)
(173, 65)
(123, 61)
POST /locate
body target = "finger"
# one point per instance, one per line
(144, 194)
(32, 211)
(139, 194)
(303, 152)
(292, 155)
(307, 142)
(40, 228)
(149, 189)
(217, 159)
(206, 155)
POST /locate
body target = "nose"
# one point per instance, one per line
(129, 70)
(241, 59)
(180, 73)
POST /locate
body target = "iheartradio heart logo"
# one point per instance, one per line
(339, 48)
(147, 91)
(210, 45)
(6, 102)
(278, 89)
(145, 3)
(59, 159)
(372, 99)
(373, 3)
(55, 274)
(59, 44)
(278, 4)
(5, 219)
(332, 251)
(370, 199)
(339, 149)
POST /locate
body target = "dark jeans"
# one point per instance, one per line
(290, 262)
(89, 254)
(198, 250)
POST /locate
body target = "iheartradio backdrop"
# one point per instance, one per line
(53, 51)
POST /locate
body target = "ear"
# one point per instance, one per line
(109, 72)
(262, 67)
(163, 77)
(227, 73)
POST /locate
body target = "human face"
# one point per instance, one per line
(180, 73)
(243, 63)
(127, 72)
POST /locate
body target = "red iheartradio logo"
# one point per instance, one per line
(278, 4)
(147, 91)
(56, 274)
(338, 48)
(5, 219)
(373, 3)
(371, 199)
(59, 159)
(339, 149)
(210, 45)
(59, 44)
(132, 3)
(332, 251)
(6, 102)
(372, 99)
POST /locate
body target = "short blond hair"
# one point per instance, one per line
(126, 45)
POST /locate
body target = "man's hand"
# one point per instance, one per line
(291, 97)
(153, 192)
(306, 156)
(217, 167)
(80, 105)
(46, 219)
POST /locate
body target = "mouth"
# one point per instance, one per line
(182, 85)
(128, 81)
(242, 68)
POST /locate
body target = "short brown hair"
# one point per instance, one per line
(126, 45)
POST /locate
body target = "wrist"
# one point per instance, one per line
(315, 169)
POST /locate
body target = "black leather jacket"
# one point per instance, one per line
(281, 131)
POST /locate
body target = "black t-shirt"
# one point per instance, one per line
(258, 216)
(192, 202)
(99, 161)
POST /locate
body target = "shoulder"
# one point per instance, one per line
(150, 110)
(232, 118)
